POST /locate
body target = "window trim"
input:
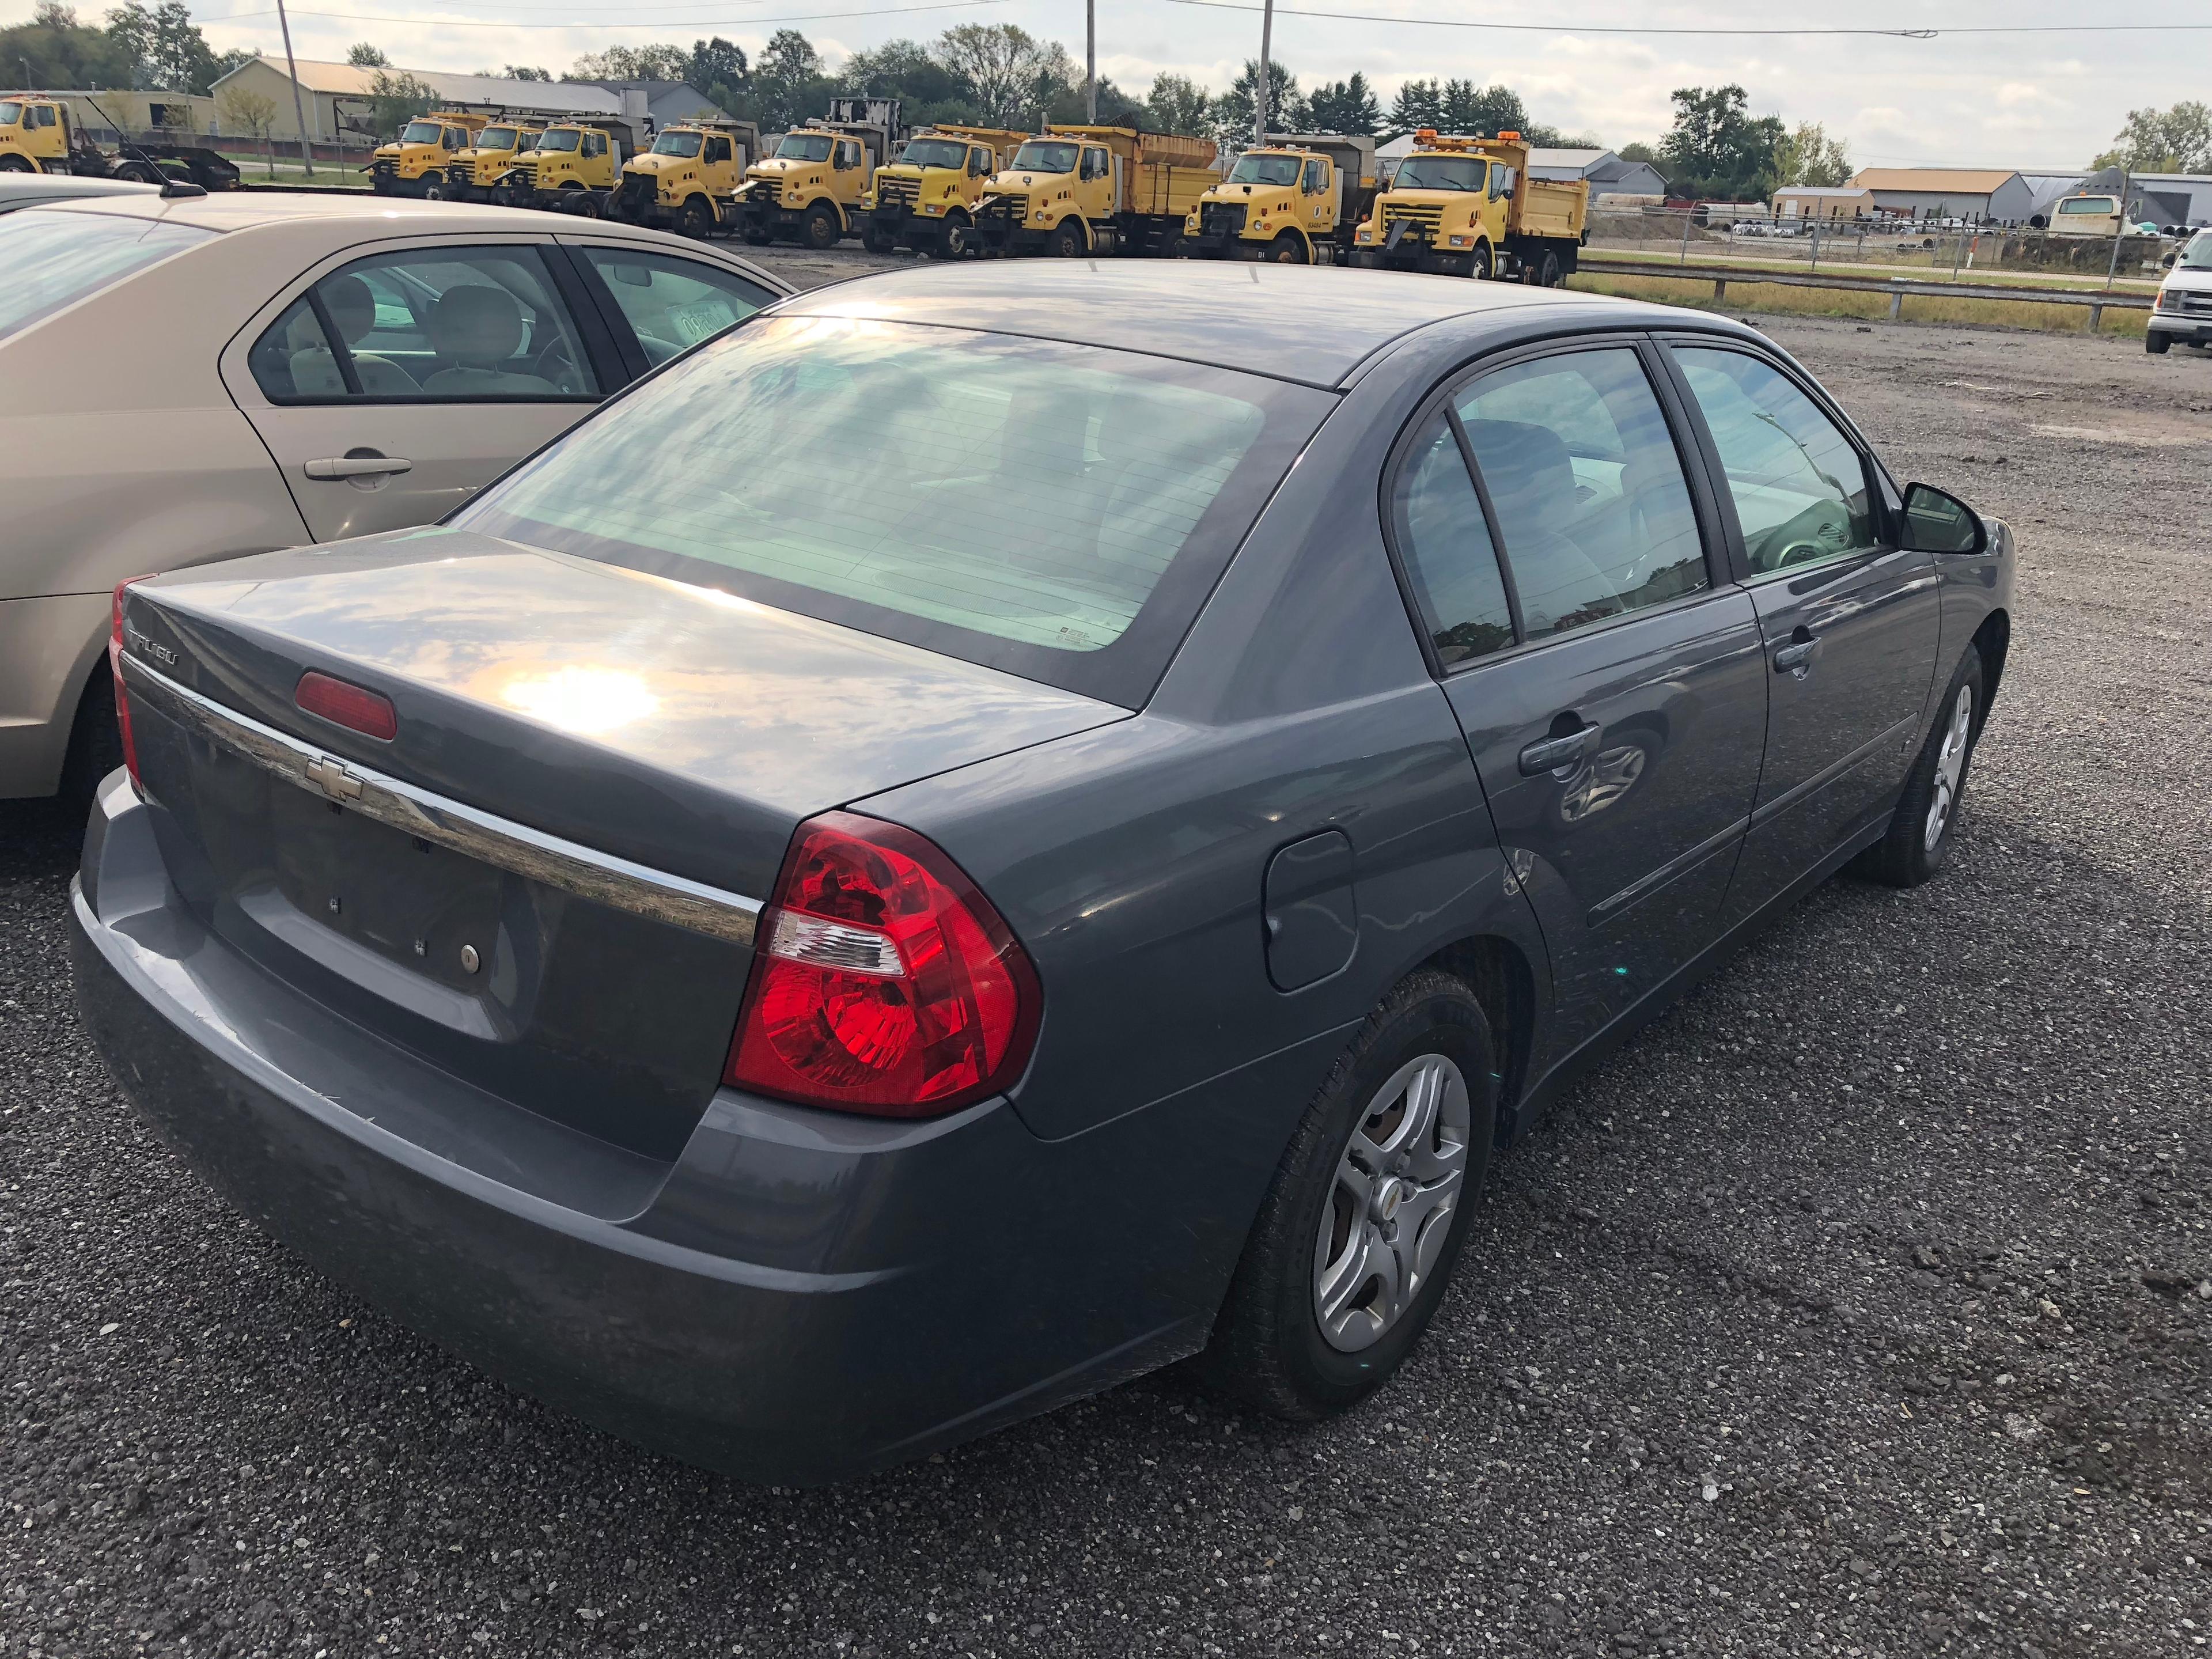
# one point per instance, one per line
(1738, 552)
(1720, 574)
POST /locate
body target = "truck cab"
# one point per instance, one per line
(571, 159)
(34, 135)
(926, 196)
(1466, 207)
(1050, 193)
(691, 178)
(478, 165)
(415, 163)
(811, 189)
(1294, 202)
(2093, 215)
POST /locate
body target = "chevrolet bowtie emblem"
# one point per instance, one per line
(332, 778)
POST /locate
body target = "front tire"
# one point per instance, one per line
(1353, 1244)
(1917, 843)
(2155, 343)
(14, 164)
(1289, 249)
(821, 231)
(1478, 264)
(697, 219)
(435, 188)
(1068, 241)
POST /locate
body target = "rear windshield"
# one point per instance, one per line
(2089, 204)
(54, 259)
(1056, 511)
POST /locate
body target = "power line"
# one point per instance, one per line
(630, 25)
(1902, 34)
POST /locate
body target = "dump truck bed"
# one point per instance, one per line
(1549, 207)
(1166, 189)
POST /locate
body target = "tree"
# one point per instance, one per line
(718, 72)
(1007, 72)
(1344, 106)
(524, 72)
(1719, 150)
(55, 49)
(361, 55)
(165, 48)
(1233, 111)
(1809, 156)
(657, 61)
(1178, 104)
(1116, 108)
(394, 100)
(787, 84)
(252, 113)
(1418, 104)
(929, 90)
(2176, 140)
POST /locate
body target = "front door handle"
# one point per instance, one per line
(357, 467)
(1549, 754)
(1796, 657)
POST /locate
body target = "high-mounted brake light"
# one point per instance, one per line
(883, 980)
(355, 708)
(115, 643)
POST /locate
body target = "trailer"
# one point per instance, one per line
(37, 136)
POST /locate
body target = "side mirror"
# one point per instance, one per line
(1936, 521)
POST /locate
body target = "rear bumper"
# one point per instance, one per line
(799, 1297)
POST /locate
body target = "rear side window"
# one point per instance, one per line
(55, 260)
(672, 304)
(1058, 511)
(1445, 544)
(433, 325)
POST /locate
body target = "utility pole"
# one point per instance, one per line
(1090, 59)
(2113, 269)
(1266, 75)
(299, 113)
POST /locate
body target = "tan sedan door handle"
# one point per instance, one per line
(357, 467)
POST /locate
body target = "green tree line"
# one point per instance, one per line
(157, 47)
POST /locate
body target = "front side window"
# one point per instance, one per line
(1313, 181)
(672, 303)
(1445, 544)
(452, 138)
(1053, 510)
(979, 164)
(43, 116)
(1588, 490)
(595, 143)
(442, 324)
(1045, 158)
(1439, 173)
(1800, 487)
(718, 149)
(55, 260)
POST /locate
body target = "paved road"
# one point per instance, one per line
(1851, 1310)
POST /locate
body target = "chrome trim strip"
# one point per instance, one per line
(600, 877)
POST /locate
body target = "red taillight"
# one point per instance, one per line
(353, 707)
(882, 980)
(122, 697)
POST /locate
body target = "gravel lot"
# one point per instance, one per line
(1859, 1307)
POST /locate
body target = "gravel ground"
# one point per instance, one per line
(1858, 1308)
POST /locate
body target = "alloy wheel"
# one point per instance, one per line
(1950, 766)
(1390, 1207)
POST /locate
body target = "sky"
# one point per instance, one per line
(2025, 101)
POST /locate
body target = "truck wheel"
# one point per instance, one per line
(1478, 264)
(697, 219)
(1068, 241)
(821, 231)
(757, 234)
(434, 187)
(14, 164)
(959, 237)
(879, 239)
(1289, 249)
(1542, 273)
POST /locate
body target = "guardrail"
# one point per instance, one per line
(2098, 301)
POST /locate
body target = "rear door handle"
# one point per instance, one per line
(357, 467)
(1795, 656)
(1549, 754)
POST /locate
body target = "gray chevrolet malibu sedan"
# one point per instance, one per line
(999, 826)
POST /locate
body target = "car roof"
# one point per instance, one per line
(1315, 325)
(21, 189)
(242, 210)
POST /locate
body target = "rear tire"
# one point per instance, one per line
(1346, 1263)
(1917, 843)
(821, 231)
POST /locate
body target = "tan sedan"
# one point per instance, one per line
(192, 378)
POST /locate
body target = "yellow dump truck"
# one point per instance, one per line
(37, 136)
(1466, 207)
(573, 168)
(1076, 190)
(926, 196)
(479, 165)
(415, 163)
(811, 188)
(690, 179)
(1297, 201)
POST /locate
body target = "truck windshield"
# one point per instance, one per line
(1265, 170)
(833, 467)
(2102, 204)
(561, 139)
(55, 260)
(685, 144)
(1045, 158)
(2198, 256)
(496, 138)
(935, 153)
(11, 113)
(806, 147)
(421, 133)
(1441, 172)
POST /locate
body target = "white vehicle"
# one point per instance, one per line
(2183, 309)
(194, 379)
